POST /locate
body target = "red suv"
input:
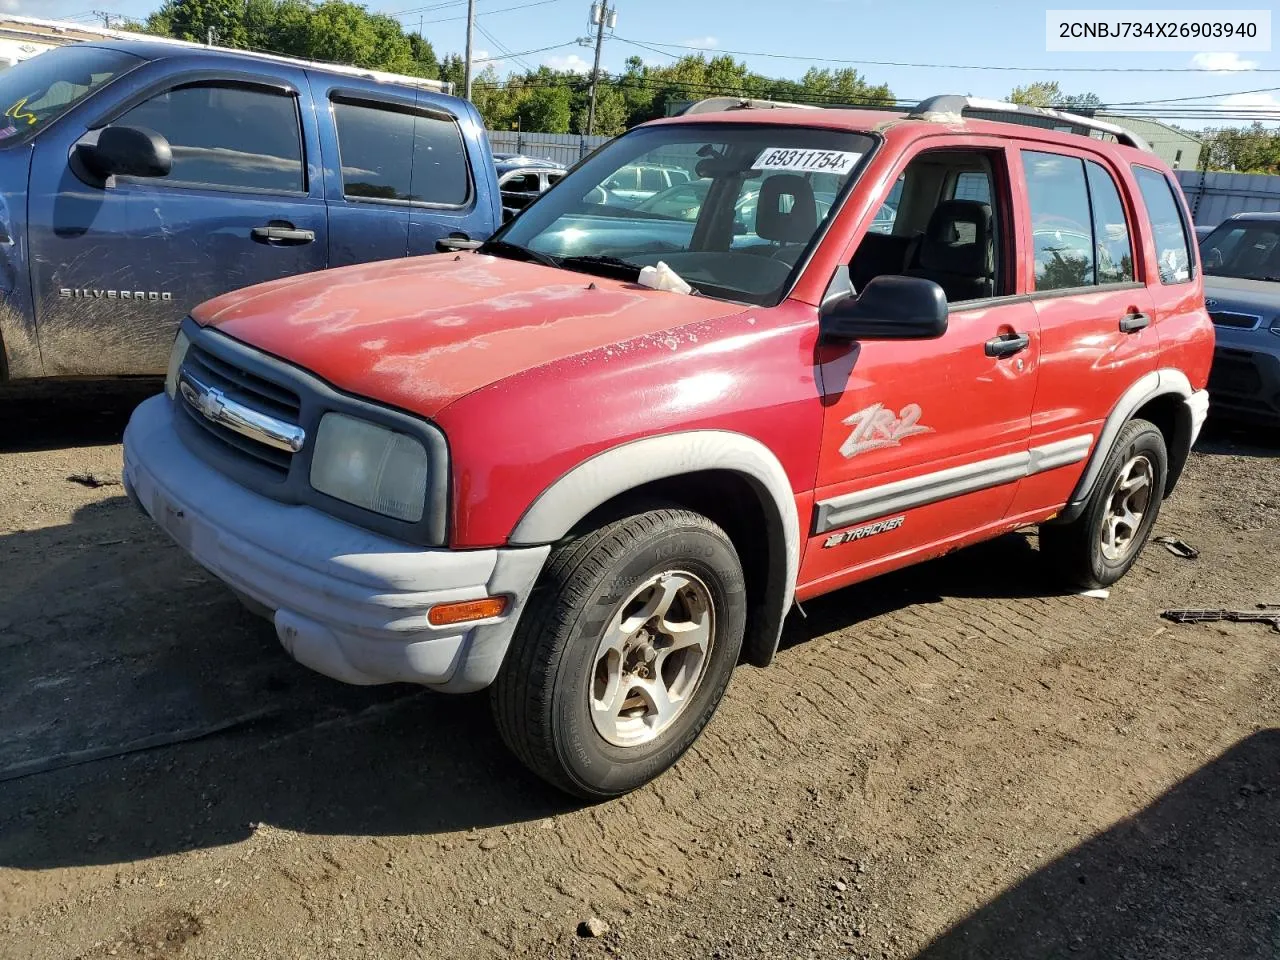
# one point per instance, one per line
(549, 468)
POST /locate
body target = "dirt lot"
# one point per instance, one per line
(955, 761)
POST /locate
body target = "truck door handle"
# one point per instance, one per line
(282, 235)
(1133, 322)
(1007, 344)
(455, 242)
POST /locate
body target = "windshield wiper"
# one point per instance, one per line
(592, 258)
(504, 248)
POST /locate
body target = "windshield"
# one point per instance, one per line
(36, 92)
(1249, 250)
(731, 208)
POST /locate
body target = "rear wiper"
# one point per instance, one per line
(504, 248)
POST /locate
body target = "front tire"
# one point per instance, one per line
(1103, 543)
(623, 652)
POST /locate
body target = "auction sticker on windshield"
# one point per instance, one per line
(807, 161)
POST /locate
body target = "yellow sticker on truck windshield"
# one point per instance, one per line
(838, 162)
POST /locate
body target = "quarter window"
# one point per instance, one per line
(1173, 250)
(390, 154)
(1112, 241)
(227, 137)
(1061, 222)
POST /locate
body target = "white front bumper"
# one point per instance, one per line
(346, 602)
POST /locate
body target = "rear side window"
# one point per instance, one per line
(973, 185)
(651, 179)
(229, 138)
(390, 154)
(1113, 246)
(1061, 221)
(1173, 249)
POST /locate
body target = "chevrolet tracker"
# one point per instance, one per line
(594, 464)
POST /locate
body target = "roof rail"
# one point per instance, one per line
(953, 106)
(719, 104)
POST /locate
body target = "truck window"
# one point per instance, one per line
(1061, 221)
(390, 154)
(1173, 249)
(37, 91)
(229, 138)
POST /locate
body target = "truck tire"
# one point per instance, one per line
(1098, 547)
(623, 652)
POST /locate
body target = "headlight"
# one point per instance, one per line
(370, 466)
(175, 364)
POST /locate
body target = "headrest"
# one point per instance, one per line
(786, 211)
(958, 239)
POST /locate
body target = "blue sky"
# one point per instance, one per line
(993, 33)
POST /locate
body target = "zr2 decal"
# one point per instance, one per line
(877, 427)
(861, 533)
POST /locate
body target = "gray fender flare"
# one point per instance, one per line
(615, 471)
(1144, 390)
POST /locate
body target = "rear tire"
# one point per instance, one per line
(623, 652)
(1103, 543)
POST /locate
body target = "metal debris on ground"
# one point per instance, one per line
(92, 480)
(1264, 613)
(1179, 548)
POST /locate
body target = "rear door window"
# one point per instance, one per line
(229, 138)
(1061, 220)
(1173, 248)
(1113, 245)
(394, 154)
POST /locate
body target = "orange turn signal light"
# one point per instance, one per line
(467, 611)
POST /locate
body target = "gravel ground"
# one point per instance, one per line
(954, 761)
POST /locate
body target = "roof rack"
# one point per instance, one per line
(719, 104)
(953, 106)
(62, 31)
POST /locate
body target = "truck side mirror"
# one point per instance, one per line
(128, 152)
(888, 308)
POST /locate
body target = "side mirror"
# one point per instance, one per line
(889, 308)
(1213, 258)
(740, 227)
(128, 152)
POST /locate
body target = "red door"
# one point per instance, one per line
(1096, 317)
(924, 442)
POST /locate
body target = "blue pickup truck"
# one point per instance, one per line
(140, 178)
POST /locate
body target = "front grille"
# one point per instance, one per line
(1239, 321)
(1235, 374)
(253, 391)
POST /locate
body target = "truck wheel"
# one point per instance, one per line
(1098, 547)
(623, 652)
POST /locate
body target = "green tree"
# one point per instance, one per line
(1252, 149)
(196, 20)
(1047, 93)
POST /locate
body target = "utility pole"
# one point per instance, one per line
(471, 30)
(106, 17)
(602, 16)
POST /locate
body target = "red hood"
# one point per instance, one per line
(420, 333)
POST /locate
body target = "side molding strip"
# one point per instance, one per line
(902, 495)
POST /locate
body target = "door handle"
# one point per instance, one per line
(456, 242)
(1007, 344)
(282, 235)
(1133, 322)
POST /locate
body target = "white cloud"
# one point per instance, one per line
(702, 43)
(10, 6)
(1265, 100)
(1222, 62)
(572, 63)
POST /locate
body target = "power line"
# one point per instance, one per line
(1039, 68)
(503, 48)
(417, 10)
